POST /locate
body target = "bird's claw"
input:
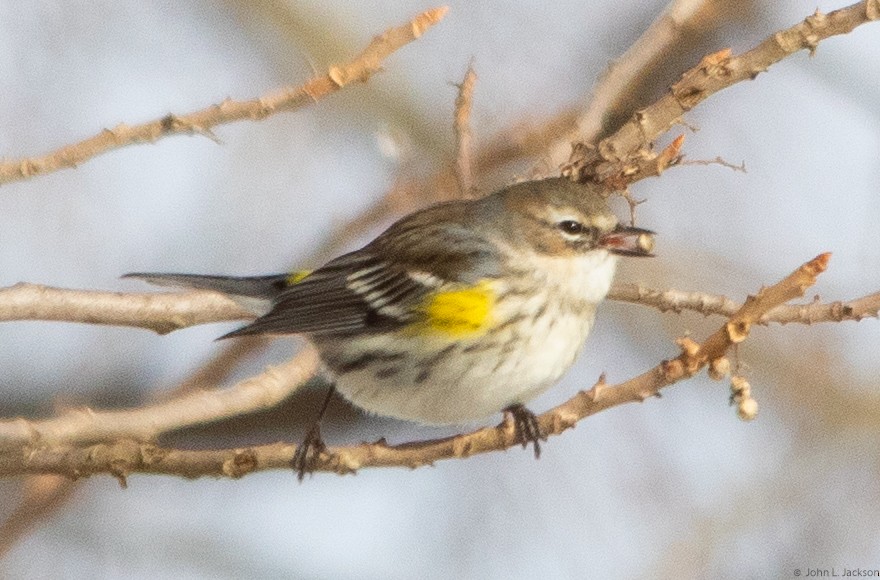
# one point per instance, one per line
(311, 447)
(527, 428)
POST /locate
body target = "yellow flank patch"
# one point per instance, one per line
(297, 277)
(460, 313)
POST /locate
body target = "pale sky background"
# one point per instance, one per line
(676, 487)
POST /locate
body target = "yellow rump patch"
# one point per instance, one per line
(297, 277)
(461, 312)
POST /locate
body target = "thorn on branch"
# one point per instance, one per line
(670, 154)
(596, 390)
(120, 477)
(737, 331)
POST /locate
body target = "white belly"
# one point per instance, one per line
(468, 379)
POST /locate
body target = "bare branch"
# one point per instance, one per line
(616, 157)
(162, 312)
(553, 134)
(462, 128)
(169, 311)
(263, 391)
(755, 307)
(51, 446)
(621, 75)
(43, 496)
(202, 122)
(675, 300)
(212, 373)
(124, 457)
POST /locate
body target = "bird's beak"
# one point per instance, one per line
(628, 241)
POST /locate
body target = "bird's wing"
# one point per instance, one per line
(364, 291)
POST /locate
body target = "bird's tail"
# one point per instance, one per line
(267, 287)
(254, 293)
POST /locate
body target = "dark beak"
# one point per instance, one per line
(628, 241)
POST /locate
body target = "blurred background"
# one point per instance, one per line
(676, 487)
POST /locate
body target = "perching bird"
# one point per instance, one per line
(455, 312)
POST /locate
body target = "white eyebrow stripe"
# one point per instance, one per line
(556, 215)
(604, 222)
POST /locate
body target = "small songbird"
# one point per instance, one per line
(455, 312)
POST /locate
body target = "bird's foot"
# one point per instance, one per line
(527, 427)
(311, 447)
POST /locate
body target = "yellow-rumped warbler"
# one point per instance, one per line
(455, 312)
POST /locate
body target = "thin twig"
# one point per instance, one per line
(676, 301)
(461, 126)
(622, 75)
(203, 121)
(717, 161)
(755, 307)
(122, 458)
(42, 496)
(616, 157)
(551, 134)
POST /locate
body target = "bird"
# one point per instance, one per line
(456, 312)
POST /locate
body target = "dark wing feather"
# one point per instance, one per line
(354, 292)
(379, 287)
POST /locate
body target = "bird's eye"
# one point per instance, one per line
(571, 227)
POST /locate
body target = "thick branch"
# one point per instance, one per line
(124, 457)
(257, 393)
(201, 122)
(616, 157)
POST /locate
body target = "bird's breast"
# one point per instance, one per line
(540, 319)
